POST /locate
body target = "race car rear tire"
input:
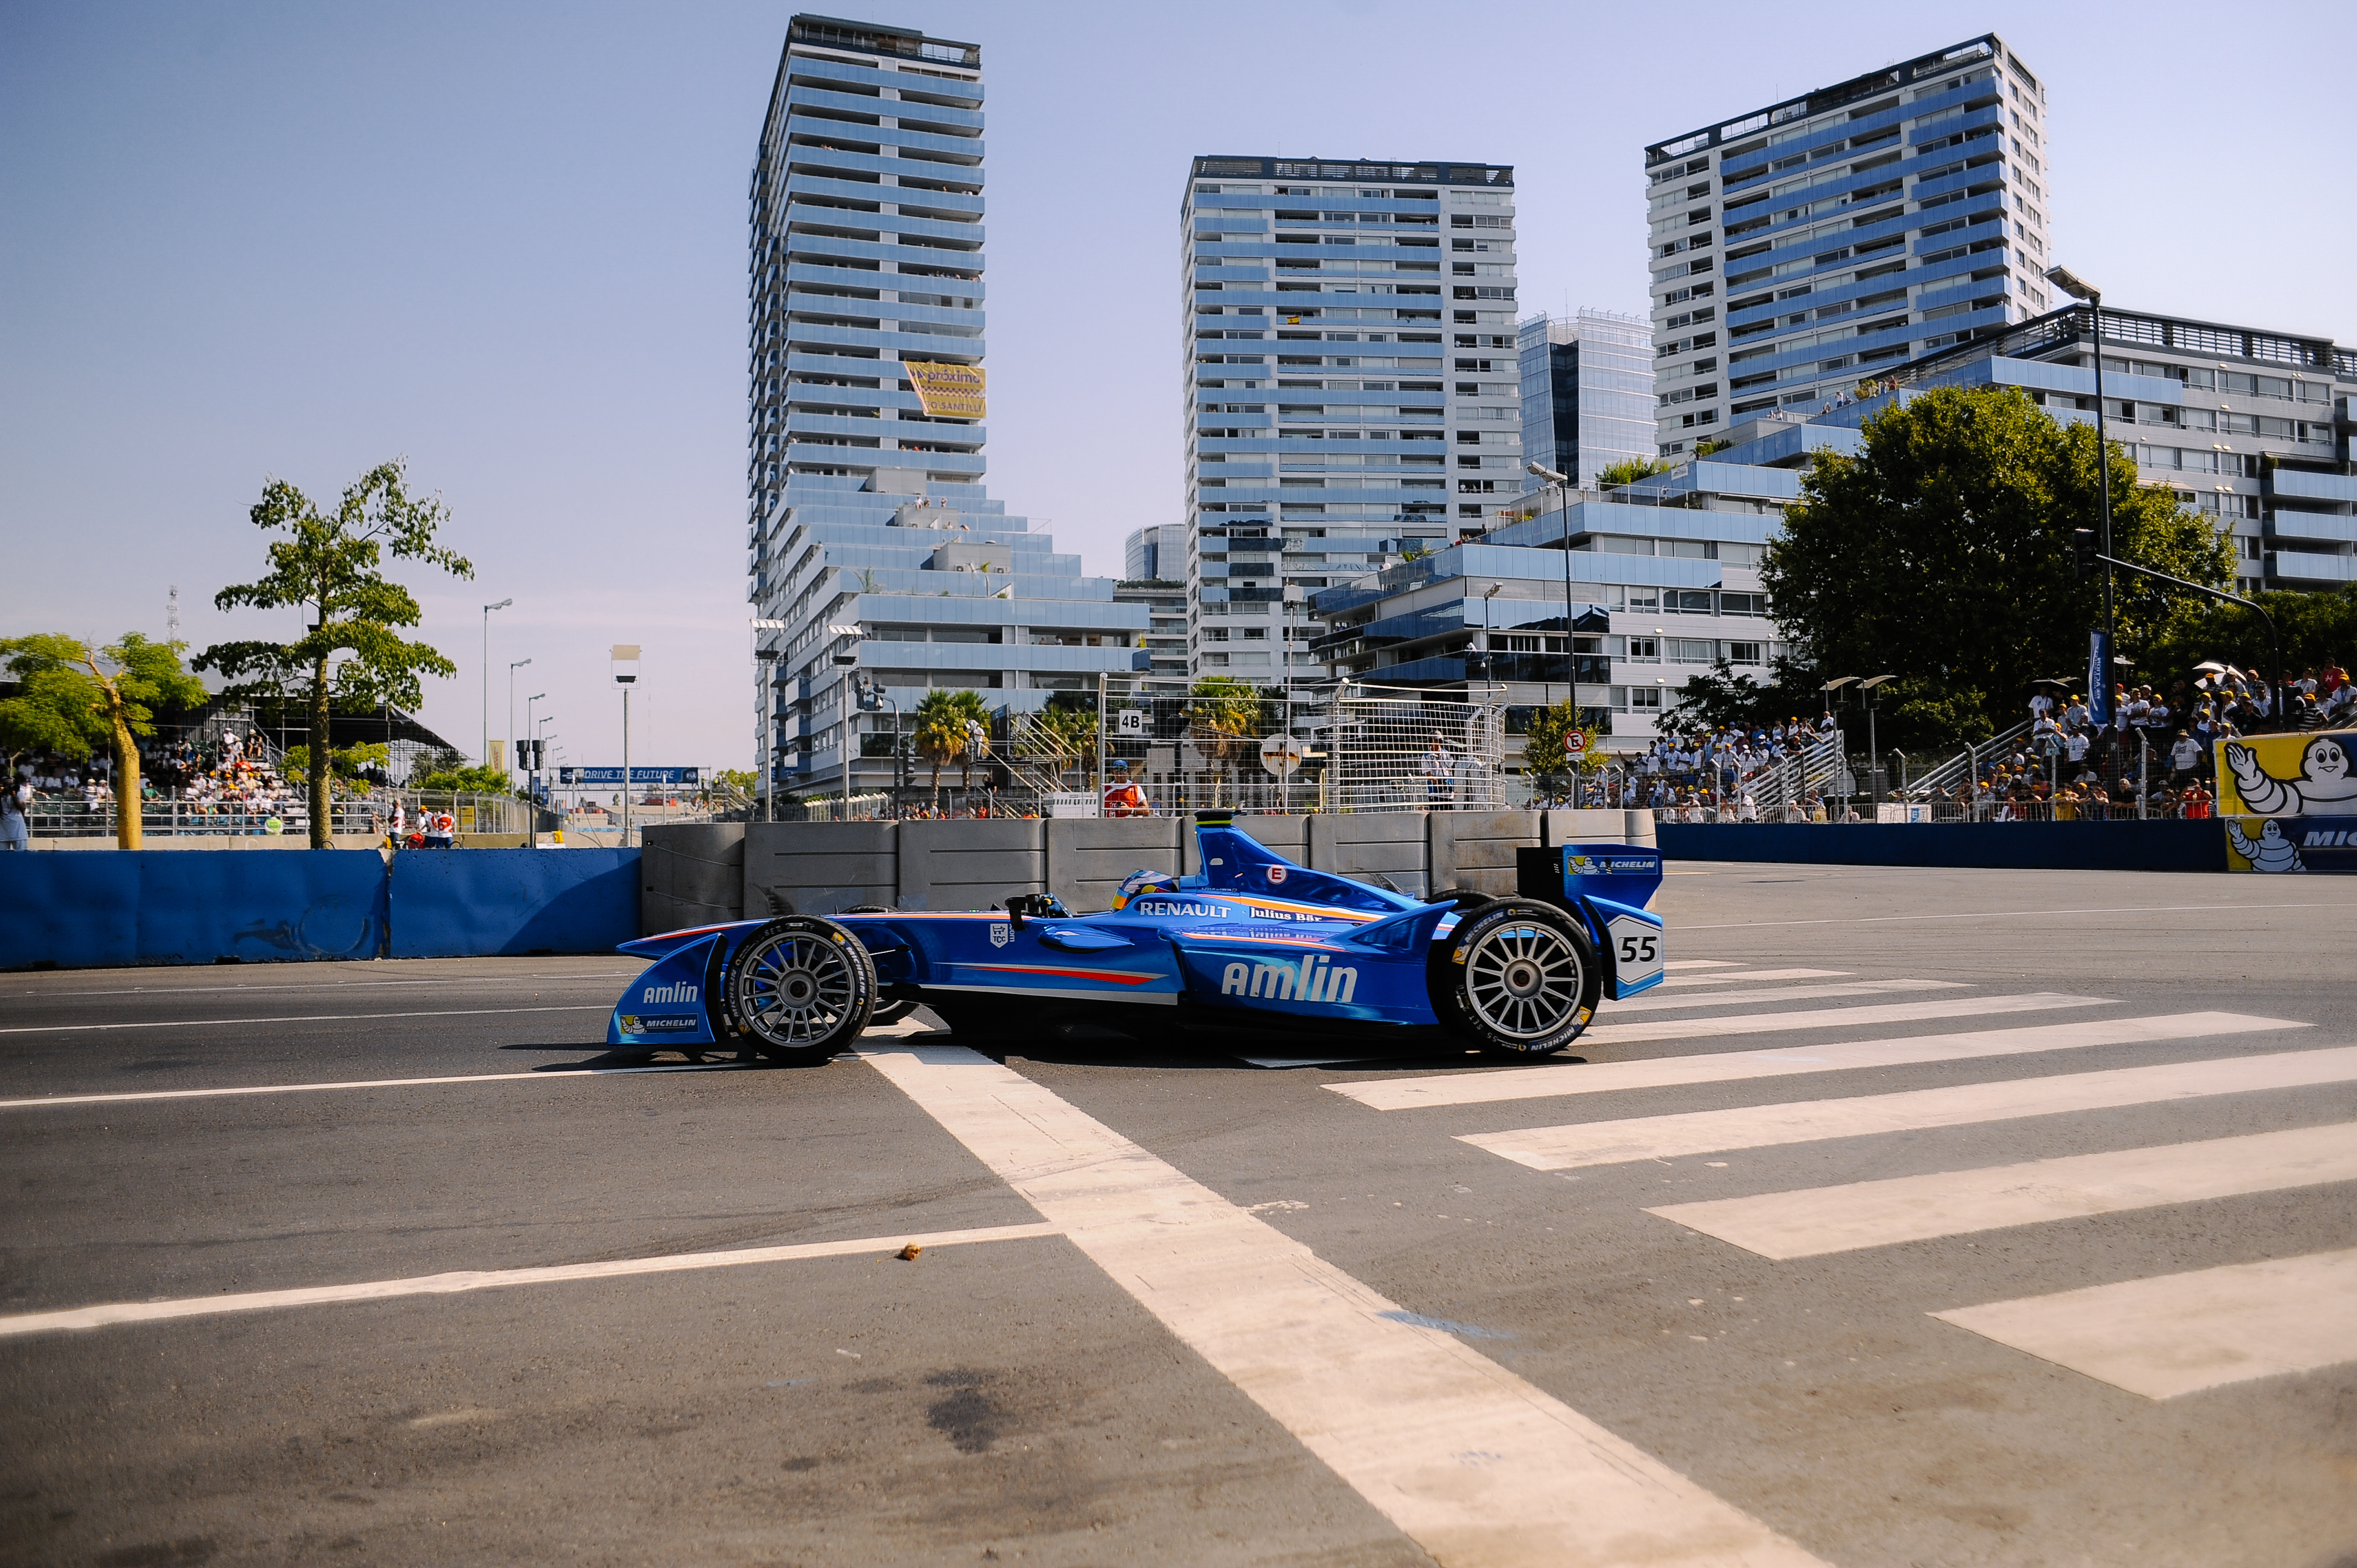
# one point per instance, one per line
(1517, 979)
(800, 989)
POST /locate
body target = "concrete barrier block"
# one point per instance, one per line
(1476, 849)
(690, 873)
(818, 868)
(1587, 825)
(1640, 827)
(968, 863)
(1390, 845)
(1087, 856)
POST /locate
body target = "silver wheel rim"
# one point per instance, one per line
(1523, 980)
(795, 990)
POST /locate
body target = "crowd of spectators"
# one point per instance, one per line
(231, 780)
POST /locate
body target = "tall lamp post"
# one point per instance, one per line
(531, 738)
(2070, 283)
(1562, 483)
(511, 734)
(1870, 686)
(846, 660)
(626, 675)
(487, 677)
(765, 668)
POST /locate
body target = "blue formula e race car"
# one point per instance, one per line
(1254, 942)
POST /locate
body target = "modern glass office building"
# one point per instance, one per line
(866, 402)
(1798, 250)
(1351, 381)
(1588, 392)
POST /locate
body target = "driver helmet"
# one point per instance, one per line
(1139, 883)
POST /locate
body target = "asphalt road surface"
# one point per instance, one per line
(1974, 1217)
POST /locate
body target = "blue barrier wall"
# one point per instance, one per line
(2199, 845)
(470, 903)
(130, 907)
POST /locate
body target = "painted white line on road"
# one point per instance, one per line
(1809, 1121)
(1481, 1088)
(1786, 993)
(2005, 915)
(544, 1074)
(244, 988)
(1754, 974)
(2181, 1333)
(1816, 1220)
(491, 1279)
(1477, 1466)
(297, 1018)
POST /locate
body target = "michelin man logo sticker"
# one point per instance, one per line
(2270, 851)
(2326, 784)
(2289, 801)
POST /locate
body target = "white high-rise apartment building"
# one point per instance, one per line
(1353, 385)
(1799, 249)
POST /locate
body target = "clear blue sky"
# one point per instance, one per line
(508, 241)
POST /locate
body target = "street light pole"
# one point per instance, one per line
(532, 733)
(765, 667)
(626, 653)
(1562, 483)
(2072, 283)
(487, 677)
(512, 734)
(844, 663)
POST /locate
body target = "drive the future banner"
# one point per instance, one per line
(2289, 801)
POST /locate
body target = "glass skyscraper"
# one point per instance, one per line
(1352, 389)
(871, 538)
(1798, 250)
(1588, 392)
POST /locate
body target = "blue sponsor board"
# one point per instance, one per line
(2277, 845)
(611, 778)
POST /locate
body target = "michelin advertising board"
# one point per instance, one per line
(2289, 801)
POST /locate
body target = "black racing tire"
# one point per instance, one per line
(800, 989)
(1517, 979)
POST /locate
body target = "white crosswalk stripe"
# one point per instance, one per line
(1816, 1220)
(1564, 1079)
(1783, 994)
(2178, 1334)
(1759, 1126)
(1604, 1036)
(1754, 974)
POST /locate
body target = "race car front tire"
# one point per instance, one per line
(800, 989)
(1516, 979)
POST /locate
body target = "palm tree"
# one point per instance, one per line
(1224, 716)
(945, 731)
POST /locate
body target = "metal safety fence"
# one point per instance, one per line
(1345, 748)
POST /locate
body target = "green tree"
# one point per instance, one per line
(1628, 470)
(1940, 553)
(330, 563)
(346, 763)
(2314, 627)
(463, 780)
(944, 729)
(60, 708)
(1063, 734)
(1723, 699)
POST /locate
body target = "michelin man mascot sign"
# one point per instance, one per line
(2289, 801)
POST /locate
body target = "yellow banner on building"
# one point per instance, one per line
(946, 391)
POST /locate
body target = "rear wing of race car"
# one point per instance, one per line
(1609, 885)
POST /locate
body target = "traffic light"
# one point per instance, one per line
(2082, 553)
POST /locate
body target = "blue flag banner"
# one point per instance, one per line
(2099, 676)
